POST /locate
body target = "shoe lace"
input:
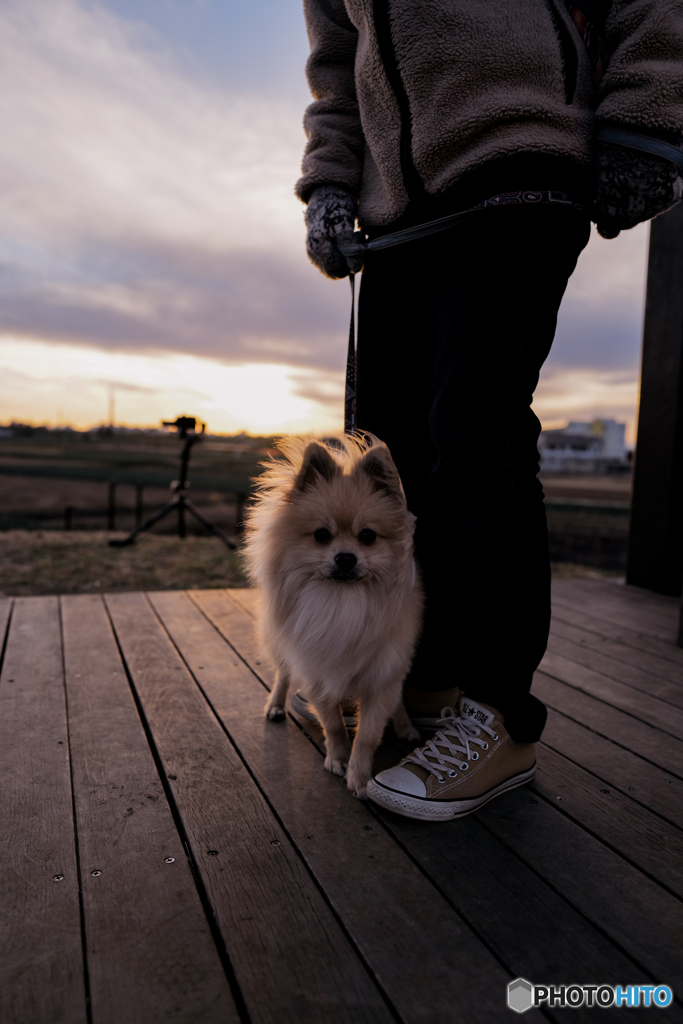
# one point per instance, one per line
(441, 754)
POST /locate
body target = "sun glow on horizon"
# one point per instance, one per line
(42, 379)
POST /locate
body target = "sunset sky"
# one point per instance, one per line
(150, 241)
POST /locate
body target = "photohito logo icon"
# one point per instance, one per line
(522, 995)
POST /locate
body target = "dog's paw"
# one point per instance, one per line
(276, 713)
(336, 765)
(357, 784)
(407, 731)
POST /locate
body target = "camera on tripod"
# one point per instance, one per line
(184, 425)
(179, 503)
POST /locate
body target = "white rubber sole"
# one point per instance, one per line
(426, 809)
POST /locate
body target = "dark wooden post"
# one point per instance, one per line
(111, 510)
(139, 505)
(655, 552)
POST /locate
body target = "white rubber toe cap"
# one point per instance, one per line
(402, 780)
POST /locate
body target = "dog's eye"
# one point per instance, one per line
(367, 537)
(323, 535)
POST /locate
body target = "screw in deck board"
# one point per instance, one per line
(96, 873)
(58, 878)
(169, 860)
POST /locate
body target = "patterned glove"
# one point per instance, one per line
(330, 217)
(632, 187)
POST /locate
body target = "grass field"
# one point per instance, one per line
(81, 562)
(44, 472)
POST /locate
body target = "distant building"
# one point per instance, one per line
(597, 447)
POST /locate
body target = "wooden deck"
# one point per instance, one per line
(167, 855)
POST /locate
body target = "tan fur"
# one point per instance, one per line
(337, 639)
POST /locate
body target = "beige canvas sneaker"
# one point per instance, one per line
(470, 760)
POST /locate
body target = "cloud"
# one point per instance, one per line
(600, 322)
(140, 209)
(40, 380)
(237, 306)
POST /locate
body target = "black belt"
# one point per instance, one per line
(431, 227)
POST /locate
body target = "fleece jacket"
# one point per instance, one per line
(412, 96)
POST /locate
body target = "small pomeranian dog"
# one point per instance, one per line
(329, 541)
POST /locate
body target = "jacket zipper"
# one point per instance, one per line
(568, 54)
(411, 178)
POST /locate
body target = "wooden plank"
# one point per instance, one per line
(617, 767)
(631, 661)
(151, 956)
(610, 608)
(526, 923)
(532, 930)
(658, 714)
(661, 649)
(635, 912)
(602, 618)
(631, 733)
(652, 605)
(622, 672)
(390, 909)
(643, 683)
(655, 616)
(5, 609)
(632, 830)
(267, 907)
(41, 956)
(246, 598)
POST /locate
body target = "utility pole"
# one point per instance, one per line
(112, 396)
(655, 553)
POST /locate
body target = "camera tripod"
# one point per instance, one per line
(186, 427)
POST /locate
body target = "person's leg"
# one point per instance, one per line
(396, 326)
(481, 539)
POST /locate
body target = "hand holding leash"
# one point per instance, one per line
(330, 219)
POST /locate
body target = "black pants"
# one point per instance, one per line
(453, 332)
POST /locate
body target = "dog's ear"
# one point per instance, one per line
(317, 464)
(379, 466)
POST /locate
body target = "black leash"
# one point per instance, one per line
(644, 144)
(350, 392)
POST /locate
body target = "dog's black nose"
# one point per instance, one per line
(345, 561)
